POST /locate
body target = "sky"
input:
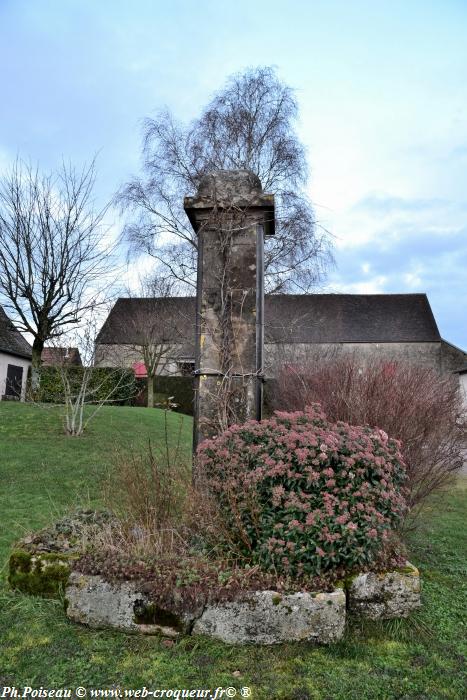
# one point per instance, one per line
(382, 92)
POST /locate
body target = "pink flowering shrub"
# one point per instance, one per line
(299, 495)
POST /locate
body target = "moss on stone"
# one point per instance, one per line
(43, 574)
(349, 580)
(20, 560)
(408, 570)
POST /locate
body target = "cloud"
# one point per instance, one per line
(405, 245)
(380, 203)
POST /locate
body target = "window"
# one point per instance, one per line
(186, 368)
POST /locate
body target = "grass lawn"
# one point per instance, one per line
(43, 473)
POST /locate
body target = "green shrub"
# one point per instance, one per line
(299, 495)
(119, 383)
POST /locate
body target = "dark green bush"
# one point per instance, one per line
(181, 388)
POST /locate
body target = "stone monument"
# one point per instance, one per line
(231, 216)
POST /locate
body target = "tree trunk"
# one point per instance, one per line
(37, 348)
(150, 392)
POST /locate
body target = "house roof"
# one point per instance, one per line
(166, 319)
(350, 318)
(60, 356)
(11, 340)
(290, 318)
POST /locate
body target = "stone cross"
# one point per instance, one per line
(231, 217)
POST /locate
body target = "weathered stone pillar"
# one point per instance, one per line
(231, 216)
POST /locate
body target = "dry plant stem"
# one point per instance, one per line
(83, 392)
(149, 492)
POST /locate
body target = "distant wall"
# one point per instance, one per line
(126, 355)
(421, 354)
(452, 358)
(463, 386)
(441, 356)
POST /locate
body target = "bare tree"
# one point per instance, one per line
(85, 390)
(156, 328)
(249, 124)
(51, 253)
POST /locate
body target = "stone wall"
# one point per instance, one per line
(421, 354)
(108, 355)
(254, 617)
(463, 385)
(452, 357)
(443, 356)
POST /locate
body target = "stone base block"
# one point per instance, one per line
(385, 595)
(121, 605)
(41, 562)
(263, 617)
(266, 617)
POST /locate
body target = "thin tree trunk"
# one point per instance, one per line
(37, 348)
(150, 391)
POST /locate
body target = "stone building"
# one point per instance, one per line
(462, 374)
(296, 327)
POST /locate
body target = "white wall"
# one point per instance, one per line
(5, 360)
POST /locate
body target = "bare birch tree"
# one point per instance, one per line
(249, 124)
(51, 253)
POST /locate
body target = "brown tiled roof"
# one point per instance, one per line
(290, 318)
(11, 340)
(59, 356)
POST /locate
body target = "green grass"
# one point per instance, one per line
(42, 473)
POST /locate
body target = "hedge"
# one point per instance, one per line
(181, 388)
(132, 391)
(102, 383)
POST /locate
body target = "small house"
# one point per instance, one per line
(15, 360)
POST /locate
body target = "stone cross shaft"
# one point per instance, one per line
(231, 217)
